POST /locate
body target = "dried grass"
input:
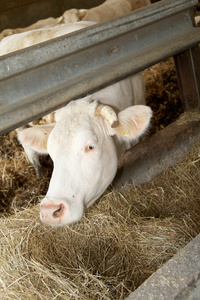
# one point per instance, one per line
(121, 240)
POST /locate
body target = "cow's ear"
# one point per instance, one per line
(133, 121)
(35, 137)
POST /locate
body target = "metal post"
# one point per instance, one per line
(188, 72)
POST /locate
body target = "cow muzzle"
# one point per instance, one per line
(52, 213)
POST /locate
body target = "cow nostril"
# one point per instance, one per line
(57, 213)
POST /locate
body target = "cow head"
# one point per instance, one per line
(84, 146)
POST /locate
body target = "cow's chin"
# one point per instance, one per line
(90, 201)
(60, 213)
(104, 185)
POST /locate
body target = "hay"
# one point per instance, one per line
(121, 240)
(18, 183)
(163, 94)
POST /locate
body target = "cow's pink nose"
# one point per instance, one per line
(52, 213)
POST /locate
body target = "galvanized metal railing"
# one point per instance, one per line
(42, 78)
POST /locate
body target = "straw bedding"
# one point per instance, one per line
(121, 240)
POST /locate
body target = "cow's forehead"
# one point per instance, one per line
(77, 116)
(77, 109)
(86, 104)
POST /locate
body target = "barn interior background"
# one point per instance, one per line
(124, 237)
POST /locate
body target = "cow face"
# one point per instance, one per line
(84, 146)
(85, 163)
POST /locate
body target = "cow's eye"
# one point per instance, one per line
(90, 147)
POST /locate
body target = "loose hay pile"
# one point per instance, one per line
(121, 240)
(163, 94)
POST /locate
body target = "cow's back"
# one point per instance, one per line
(26, 39)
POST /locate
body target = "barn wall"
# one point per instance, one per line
(22, 13)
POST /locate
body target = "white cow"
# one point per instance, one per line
(85, 145)
(86, 141)
(26, 39)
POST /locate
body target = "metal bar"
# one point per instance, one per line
(178, 279)
(154, 14)
(44, 77)
(188, 72)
